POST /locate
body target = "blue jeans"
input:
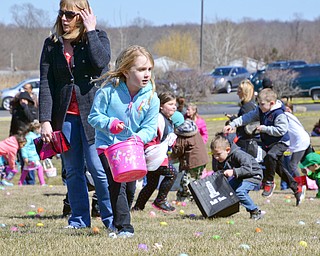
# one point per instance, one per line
(76, 182)
(242, 189)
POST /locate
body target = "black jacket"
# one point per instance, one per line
(22, 116)
(89, 61)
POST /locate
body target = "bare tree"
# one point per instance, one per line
(223, 43)
(283, 82)
(27, 16)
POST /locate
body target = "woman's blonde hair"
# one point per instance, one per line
(78, 33)
(247, 90)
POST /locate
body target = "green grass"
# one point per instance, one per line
(282, 228)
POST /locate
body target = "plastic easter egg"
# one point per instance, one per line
(192, 215)
(216, 237)
(181, 212)
(288, 200)
(40, 224)
(2, 188)
(174, 202)
(2, 225)
(157, 246)
(50, 186)
(258, 230)
(198, 234)
(163, 223)
(31, 213)
(40, 210)
(183, 254)
(231, 222)
(21, 225)
(268, 201)
(287, 196)
(95, 230)
(8, 194)
(303, 243)
(32, 206)
(183, 204)
(152, 214)
(143, 247)
(301, 222)
(244, 246)
(14, 229)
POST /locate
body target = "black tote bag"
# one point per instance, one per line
(214, 196)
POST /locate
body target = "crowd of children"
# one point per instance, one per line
(127, 107)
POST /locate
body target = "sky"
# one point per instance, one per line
(118, 13)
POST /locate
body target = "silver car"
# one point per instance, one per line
(227, 78)
(6, 95)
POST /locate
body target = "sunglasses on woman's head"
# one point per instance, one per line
(69, 14)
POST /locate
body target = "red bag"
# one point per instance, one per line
(57, 145)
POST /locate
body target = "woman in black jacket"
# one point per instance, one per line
(75, 54)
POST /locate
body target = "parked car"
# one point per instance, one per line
(307, 79)
(6, 95)
(227, 78)
(284, 64)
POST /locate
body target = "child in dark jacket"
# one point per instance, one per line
(191, 152)
(242, 170)
(274, 135)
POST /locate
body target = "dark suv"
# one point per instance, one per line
(307, 79)
(285, 64)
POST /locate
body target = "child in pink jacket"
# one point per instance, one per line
(8, 149)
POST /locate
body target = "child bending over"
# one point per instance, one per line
(311, 167)
(8, 149)
(242, 170)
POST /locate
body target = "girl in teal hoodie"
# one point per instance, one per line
(30, 156)
(125, 106)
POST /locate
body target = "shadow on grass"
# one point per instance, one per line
(44, 217)
(54, 194)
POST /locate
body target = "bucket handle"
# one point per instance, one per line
(133, 134)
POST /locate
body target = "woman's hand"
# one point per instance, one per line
(46, 132)
(89, 19)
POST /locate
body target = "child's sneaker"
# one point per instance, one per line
(163, 206)
(268, 188)
(125, 234)
(300, 194)
(256, 214)
(6, 183)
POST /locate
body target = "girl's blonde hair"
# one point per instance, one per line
(80, 32)
(125, 62)
(34, 125)
(247, 90)
(195, 109)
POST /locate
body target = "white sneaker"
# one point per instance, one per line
(125, 234)
(71, 227)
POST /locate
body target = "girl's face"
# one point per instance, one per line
(168, 108)
(139, 74)
(69, 19)
(190, 112)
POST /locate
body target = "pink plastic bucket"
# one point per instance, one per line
(126, 160)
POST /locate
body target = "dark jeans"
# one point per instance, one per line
(170, 175)
(119, 201)
(274, 164)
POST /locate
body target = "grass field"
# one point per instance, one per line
(31, 224)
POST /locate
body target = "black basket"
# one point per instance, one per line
(214, 196)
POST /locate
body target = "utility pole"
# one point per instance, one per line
(201, 36)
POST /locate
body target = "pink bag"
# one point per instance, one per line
(311, 184)
(59, 144)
